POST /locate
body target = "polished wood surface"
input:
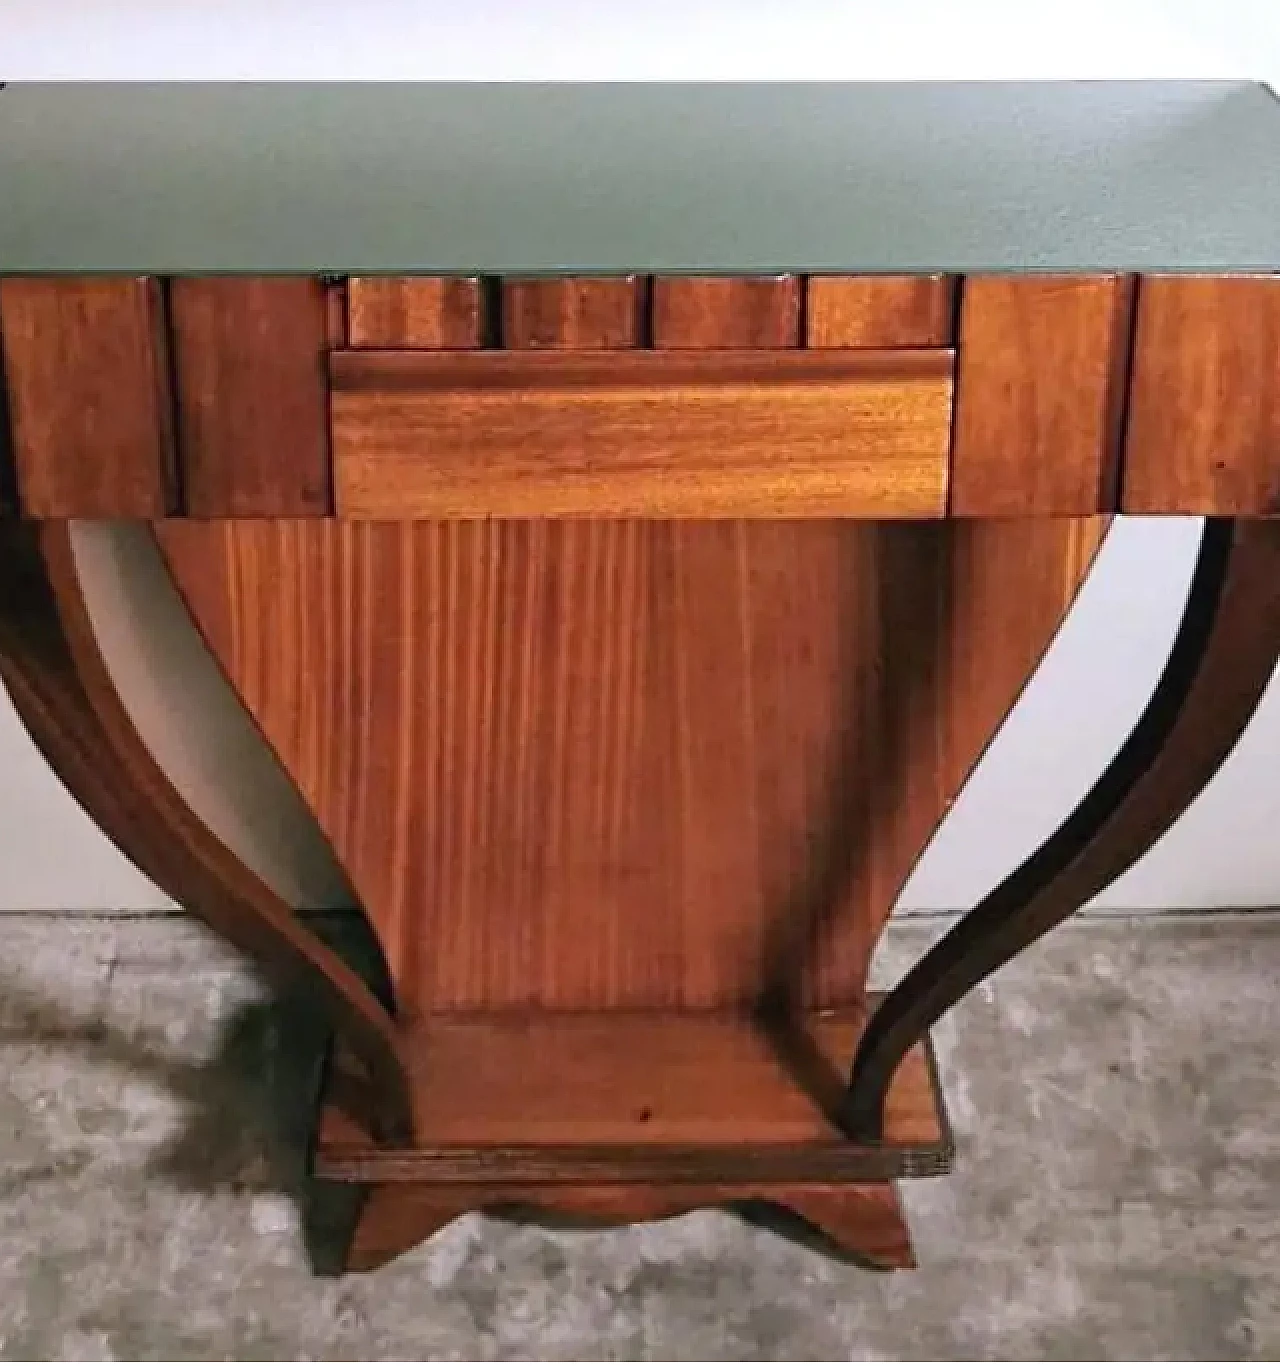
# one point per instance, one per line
(59, 684)
(86, 367)
(628, 799)
(612, 764)
(336, 329)
(489, 1084)
(627, 764)
(424, 313)
(249, 374)
(701, 313)
(879, 310)
(1040, 394)
(574, 314)
(1204, 424)
(600, 749)
(1222, 659)
(9, 505)
(862, 1221)
(238, 368)
(521, 434)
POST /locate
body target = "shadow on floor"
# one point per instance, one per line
(249, 1112)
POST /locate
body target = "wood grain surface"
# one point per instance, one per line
(61, 688)
(706, 312)
(249, 364)
(1204, 424)
(597, 764)
(513, 1080)
(336, 314)
(430, 313)
(1222, 659)
(87, 371)
(1042, 376)
(522, 433)
(861, 1221)
(879, 310)
(9, 505)
(573, 314)
(1040, 394)
(628, 764)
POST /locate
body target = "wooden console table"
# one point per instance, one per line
(627, 513)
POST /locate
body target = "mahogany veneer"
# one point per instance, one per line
(629, 626)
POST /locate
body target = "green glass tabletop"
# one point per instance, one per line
(731, 178)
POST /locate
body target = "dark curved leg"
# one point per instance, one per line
(1222, 658)
(61, 688)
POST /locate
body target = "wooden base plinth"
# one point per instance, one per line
(372, 1225)
(619, 1117)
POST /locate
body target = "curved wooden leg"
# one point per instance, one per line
(862, 1221)
(1222, 658)
(60, 686)
(395, 1219)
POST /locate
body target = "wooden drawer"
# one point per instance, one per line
(641, 433)
(780, 396)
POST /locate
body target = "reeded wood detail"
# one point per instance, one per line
(879, 310)
(62, 690)
(429, 313)
(573, 314)
(706, 312)
(210, 397)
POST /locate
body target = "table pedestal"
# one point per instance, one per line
(626, 806)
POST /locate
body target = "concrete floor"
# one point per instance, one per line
(1117, 1193)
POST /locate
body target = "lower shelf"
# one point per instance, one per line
(655, 1097)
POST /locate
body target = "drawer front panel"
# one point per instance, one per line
(666, 396)
(697, 434)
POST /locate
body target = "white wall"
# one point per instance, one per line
(635, 39)
(1099, 671)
